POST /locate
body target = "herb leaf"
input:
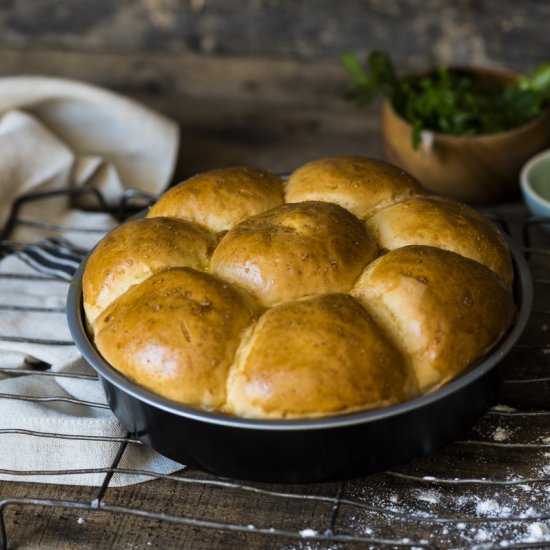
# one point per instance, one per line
(447, 101)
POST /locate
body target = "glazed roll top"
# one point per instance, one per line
(136, 250)
(295, 250)
(176, 334)
(359, 184)
(442, 309)
(317, 356)
(435, 221)
(219, 199)
(353, 291)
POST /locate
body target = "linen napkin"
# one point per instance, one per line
(55, 425)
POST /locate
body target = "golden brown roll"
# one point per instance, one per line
(317, 356)
(253, 307)
(136, 250)
(219, 199)
(435, 221)
(176, 334)
(360, 184)
(295, 250)
(444, 310)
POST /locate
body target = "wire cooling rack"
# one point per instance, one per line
(488, 490)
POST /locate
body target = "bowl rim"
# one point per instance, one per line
(75, 317)
(525, 182)
(503, 134)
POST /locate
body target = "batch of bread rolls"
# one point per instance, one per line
(343, 288)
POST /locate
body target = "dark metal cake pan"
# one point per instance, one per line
(305, 450)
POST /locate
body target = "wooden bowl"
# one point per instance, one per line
(476, 170)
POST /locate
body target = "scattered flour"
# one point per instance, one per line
(491, 507)
(500, 434)
(485, 518)
(487, 506)
(503, 408)
(308, 533)
(429, 496)
(482, 535)
(538, 532)
(529, 513)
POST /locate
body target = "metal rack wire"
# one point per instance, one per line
(416, 506)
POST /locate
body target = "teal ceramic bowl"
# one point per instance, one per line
(535, 184)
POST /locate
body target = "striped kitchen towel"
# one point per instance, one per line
(55, 424)
(54, 257)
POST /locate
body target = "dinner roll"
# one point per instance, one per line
(219, 199)
(435, 221)
(295, 250)
(136, 250)
(317, 356)
(360, 184)
(176, 334)
(358, 292)
(443, 310)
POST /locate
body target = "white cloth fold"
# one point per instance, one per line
(55, 425)
(140, 143)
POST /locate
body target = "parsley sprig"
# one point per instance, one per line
(449, 102)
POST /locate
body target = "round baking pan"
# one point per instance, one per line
(305, 450)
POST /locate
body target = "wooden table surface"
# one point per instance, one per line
(488, 489)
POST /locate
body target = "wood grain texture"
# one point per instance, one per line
(485, 31)
(488, 489)
(272, 113)
(259, 82)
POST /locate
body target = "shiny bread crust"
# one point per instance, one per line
(345, 288)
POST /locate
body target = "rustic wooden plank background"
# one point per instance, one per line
(258, 81)
(481, 31)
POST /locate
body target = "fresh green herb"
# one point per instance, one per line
(446, 101)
